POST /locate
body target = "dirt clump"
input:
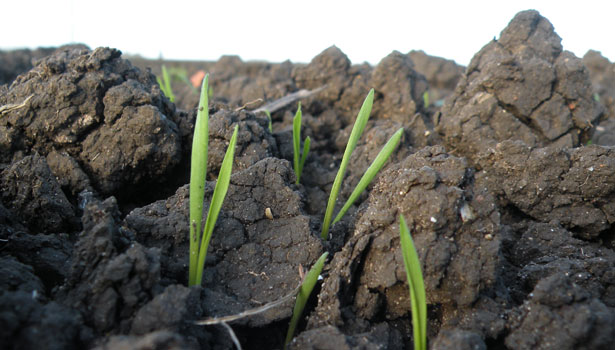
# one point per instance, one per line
(570, 186)
(442, 75)
(35, 197)
(16, 62)
(241, 83)
(95, 108)
(523, 86)
(602, 75)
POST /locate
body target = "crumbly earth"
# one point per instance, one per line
(504, 174)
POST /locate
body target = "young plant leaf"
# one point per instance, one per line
(416, 286)
(297, 142)
(198, 171)
(270, 126)
(224, 178)
(304, 294)
(371, 172)
(306, 150)
(165, 84)
(355, 134)
(299, 158)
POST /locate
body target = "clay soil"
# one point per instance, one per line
(506, 179)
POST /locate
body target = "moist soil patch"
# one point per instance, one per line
(505, 174)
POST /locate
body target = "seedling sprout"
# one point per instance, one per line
(198, 171)
(165, 84)
(269, 126)
(299, 159)
(369, 175)
(304, 294)
(416, 285)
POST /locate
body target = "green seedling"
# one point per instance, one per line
(369, 175)
(304, 294)
(299, 159)
(416, 286)
(181, 75)
(198, 171)
(165, 84)
(426, 99)
(270, 126)
(371, 172)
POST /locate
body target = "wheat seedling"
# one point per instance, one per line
(198, 171)
(416, 285)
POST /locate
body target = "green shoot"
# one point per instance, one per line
(426, 99)
(355, 134)
(371, 172)
(270, 126)
(165, 84)
(302, 297)
(224, 178)
(299, 159)
(181, 75)
(369, 175)
(198, 171)
(416, 286)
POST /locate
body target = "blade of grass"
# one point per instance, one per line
(355, 134)
(306, 150)
(297, 142)
(270, 121)
(165, 84)
(304, 294)
(224, 178)
(416, 286)
(371, 172)
(182, 75)
(198, 170)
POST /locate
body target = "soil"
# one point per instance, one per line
(506, 179)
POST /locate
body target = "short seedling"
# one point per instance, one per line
(304, 294)
(165, 84)
(299, 159)
(269, 126)
(426, 99)
(198, 171)
(416, 286)
(181, 75)
(369, 175)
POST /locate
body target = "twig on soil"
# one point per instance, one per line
(288, 99)
(248, 103)
(250, 312)
(13, 106)
(232, 335)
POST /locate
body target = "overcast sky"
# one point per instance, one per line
(275, 30)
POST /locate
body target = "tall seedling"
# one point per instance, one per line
(416, 285)
(198, 171)
(299, 159)
(372, 171)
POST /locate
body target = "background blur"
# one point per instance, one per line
(276, 30)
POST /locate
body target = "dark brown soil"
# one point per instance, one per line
(506, 179)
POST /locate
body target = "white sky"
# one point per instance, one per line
(276, 30)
